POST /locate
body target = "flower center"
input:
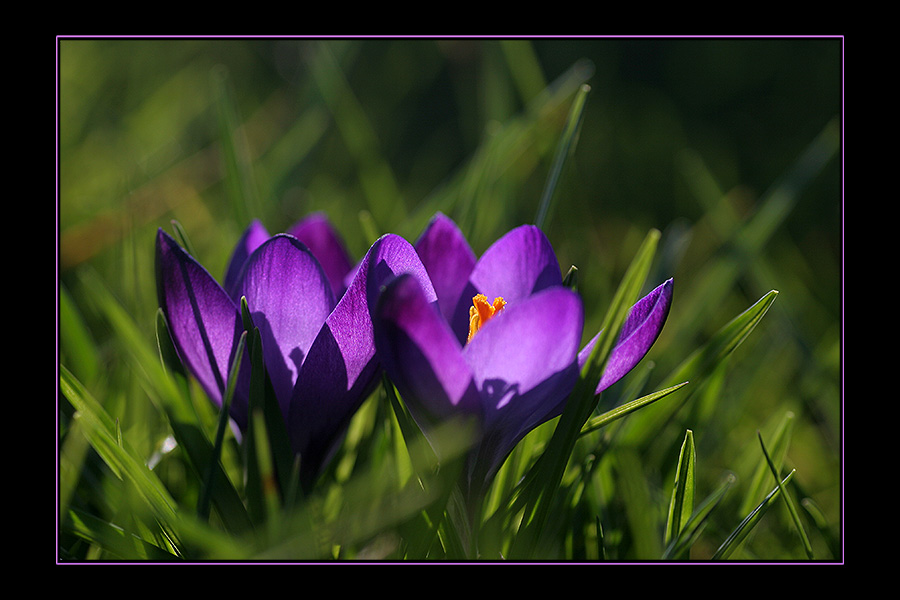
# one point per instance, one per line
(481, 312)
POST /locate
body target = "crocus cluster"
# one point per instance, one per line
(311, 306)
(496, 338)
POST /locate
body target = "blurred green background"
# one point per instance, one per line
(730, 147)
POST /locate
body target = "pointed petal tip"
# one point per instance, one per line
(641, 329)
(162, 236)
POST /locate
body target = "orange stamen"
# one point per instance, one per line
(481, 312)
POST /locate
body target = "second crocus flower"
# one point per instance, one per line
(502, 343)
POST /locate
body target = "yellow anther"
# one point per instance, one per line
(481, 312)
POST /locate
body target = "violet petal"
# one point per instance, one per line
(643, 325)
(289, 298)
(204, 323)
(449, 260)
(517, 265)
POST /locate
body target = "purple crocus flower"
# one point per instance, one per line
(318, 344)
(514, 371)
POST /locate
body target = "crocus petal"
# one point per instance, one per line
(422, 355)
(641, 328)
(289, 298)
(449, 260)
(251, 239)
(340, 367)
(524, 365)
(524, 345)
(204, 323)
(321, 238)
(519, 264)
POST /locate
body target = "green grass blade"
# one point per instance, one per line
(641, 510)
(788, 501)
(447, 512)
(76, 347)
(571, 279)
(778, 446)
(271, 501)
(566, 147)
(492, 163)
(733, 541)
(626, 409)
(383, 195)
(724, 342)
(682, 504)
(100, 428)
(261, 486)
(626, 295)
(820, 521)
(253, 486)
(411, 433)
(168, 355)
(239, 181)
(698, 521)
(206, 490)
(747, 241)
(113, 539)
(263, 401)
(182, 237)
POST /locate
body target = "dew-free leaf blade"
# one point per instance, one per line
(182, 237)
(113, 539)
(253, 487)
(567, 143)
(206, 490)
(700, 517)
(733, 541)
(682, 503)
(788, 501)
(778, 444)
(262, 399)
(499, 151)
(239, 180)
(76, 345)
(602, 420)
(724, 342)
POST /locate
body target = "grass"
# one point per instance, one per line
(728, 149)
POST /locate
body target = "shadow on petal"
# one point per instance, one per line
(511, 417)
(282, 369)
(324, 402)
